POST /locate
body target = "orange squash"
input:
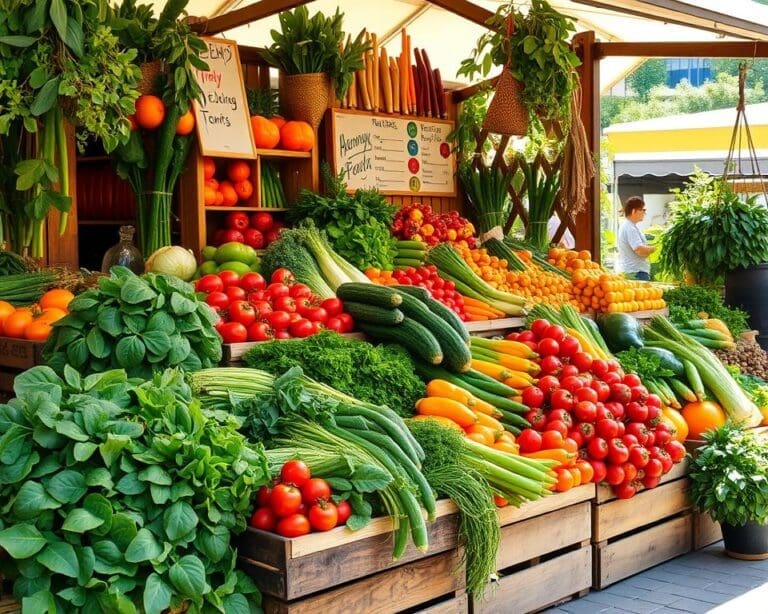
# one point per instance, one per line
(448, 408)
(297, 136)
(702, 416)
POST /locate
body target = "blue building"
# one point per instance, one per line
(695, 70)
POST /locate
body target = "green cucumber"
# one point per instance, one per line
(407, 262)
(411, 244)
(410, 253)
(436, 307)
(683, 393)
(694, 379)
(414, 337)
(363, 312)
(371, 294)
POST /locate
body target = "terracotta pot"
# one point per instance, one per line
(305, 97)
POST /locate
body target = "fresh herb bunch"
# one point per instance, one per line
(687, 302)
(729, 476)
(712, 231)
(539, 54)
(542, 188)
(487, 190)
(470, 121)
(645, 365)
(357, 225)
(382, 374)
(310, 45)
(122, 495)
(755, 387)
(140, 324)
(262, 101)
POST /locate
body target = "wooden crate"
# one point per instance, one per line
(631, 535)
(545, 555)
(705, 531)
(20, 353)
(289, 569)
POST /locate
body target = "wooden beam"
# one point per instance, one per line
(461, 94)
(587, 223)
(717, 49)
(684, 14)
(467, 10)
(247, 14)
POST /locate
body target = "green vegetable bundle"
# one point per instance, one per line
(381, 374)
(487, 190)
(542, 188)
(122, 497)
(140, 324)
(687, 302)
(24, 288)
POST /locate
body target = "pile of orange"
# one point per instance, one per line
(269, 133)
(570, 260)
(230, 189)
(607, 292)
(150, 115)
(34, 322)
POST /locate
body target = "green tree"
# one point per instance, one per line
(648, 75)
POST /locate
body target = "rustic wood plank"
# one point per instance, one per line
(705, 531)
(680, 470)
(508, 515)
(457, 605)
(523, 541)
(622, 515)
(539, 586)
(628, 556)
(9, 605)
(388, 592)
(7, 378)
(20, 353)
(493, 325)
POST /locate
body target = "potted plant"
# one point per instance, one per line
(729, 481)
(535, 47)
(312, 56)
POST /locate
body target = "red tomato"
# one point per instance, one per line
(334, 324)
(323, 516)
(561, 399)
(314, 490)
(262, 221)
(344, 511)
(262, 498)
(569, 371)
(237, 220)
(582, 360)
(294, 525)
(559, 426)
(602, 389)
(242, 311)
(548, 384)
(636, 412)
(569, 345)
(533, 397)
(229, 278)
(639, 456)
(257, 295)
(597, 449)
(539, 327)
(260, 331)
(621, 393)
(587, 430)
(537, 419)
(264, 519)
(626, 490)
(676, 451)
(284, 303)
(599, 367)
(301, 328)
(606, 428)
(276, 290)
(650, 481)
(585, 411)
(587, 393)
(209, 283)
(617, 451)
(217, 299)
(295, 472)
(282, 276)
(233, 332)
(235, 293)
(529, 441)
(254, 238)
(261, 308)
(599, 470)
(631, 380)
(282, 334)
(554, 331)
(347, 323)
(548, 347)
(614, 475)
(550, 364)
(252, 281)
(232, 236)
(334, 306)
(560, 415)
(654, 468)
(279, 320)
(285, 500)
(300, 291)
(316, 314)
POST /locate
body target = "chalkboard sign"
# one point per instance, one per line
(223, 120)
(397, 154)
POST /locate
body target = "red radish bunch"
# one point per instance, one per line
(426, 277)
(610, 415)
(417, 221)
(257, 230)
(298, 504)
(250, 309)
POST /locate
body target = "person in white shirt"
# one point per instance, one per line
(633, 248)
(567, 240)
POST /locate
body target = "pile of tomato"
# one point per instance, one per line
(34, 322)
(251, 309)
(417, 221)
(591, 408)
(257, 230)
(298, 504)
(441, 290)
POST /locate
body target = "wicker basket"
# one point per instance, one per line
(305, 97)
(150, 71)
(507, 114)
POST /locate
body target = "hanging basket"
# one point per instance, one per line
(506, 114)
(150, 71)
(305, 97)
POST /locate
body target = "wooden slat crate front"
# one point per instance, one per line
(631, 535)
(545, 556)
(20, 353)
(705, 531)
(290, 569)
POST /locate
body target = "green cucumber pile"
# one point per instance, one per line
(408, 315)
(410, 254)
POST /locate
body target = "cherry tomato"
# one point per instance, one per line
(294, 525)
(209, 283)
(252, 281)
(233, 332)
(295, 472)
(344, 511)
(229, 278)
(333, 306)
(323, 516)
(264, 519)
(314, 490)
(242, 311)
(285, 500)
(217, 299)
(282, 276)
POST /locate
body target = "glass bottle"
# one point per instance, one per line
(124, 253)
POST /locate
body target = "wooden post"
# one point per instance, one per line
(587, 223)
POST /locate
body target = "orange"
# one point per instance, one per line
(37, 330)
(212, 183)
(58, 297)
(150, 112)
(244, 189)
(50, 315)
(679, 425)
(227, 191)
(219, 198)
(278, 121)
(238, 171)
(209, 195)
(186, 123)
(16, 322)
(209, 168)
(702, 416)
(6, 309)
(266, 135)
(297, 136)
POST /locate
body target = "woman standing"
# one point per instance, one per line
(633, 248)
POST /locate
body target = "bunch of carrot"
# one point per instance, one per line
(478, 310)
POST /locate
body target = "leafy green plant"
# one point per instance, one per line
(713, 231)
(140, 324)
(262, 101)
(539, 54)
(122, 497)
(729, 476)
(687, 302)
(310, 45)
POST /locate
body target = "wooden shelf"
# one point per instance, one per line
(105, 222)
(93, 159)
(485, 326)
(245, 208)
(282, 153)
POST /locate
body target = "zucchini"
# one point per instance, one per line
(621, 331)
(410, 253)
(706, 333)
(666, 358)
(419, 246)
(683, 393)
(417, 339)
(407, 262)
(486, 382)
(713, 344)
(436, 307)
(363, 312)
(456, 354)
(371, 294)
(668, 393)
(694, 379)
